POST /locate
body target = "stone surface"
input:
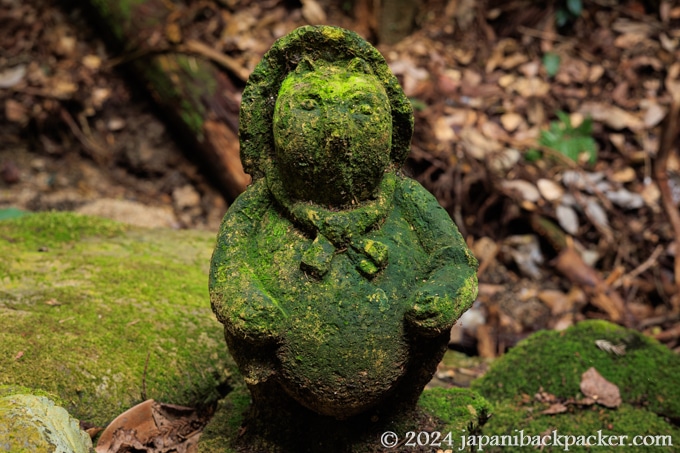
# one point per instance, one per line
(34, 423)
(130, 212)
(336, 277)
(85, 302)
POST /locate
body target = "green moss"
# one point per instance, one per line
(93, 311)
(343, 331)
(553, 362)
(222, 432)
(647, 374)
(510, 420)
(52, 228)
(33, 423)
(197, 78)
(118, 14)
(8, 390)
(305, 44)
(460, 410)
(333, 132)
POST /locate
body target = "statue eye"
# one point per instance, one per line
(365, 109)
(308, 104)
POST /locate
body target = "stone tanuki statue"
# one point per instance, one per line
(337, 278)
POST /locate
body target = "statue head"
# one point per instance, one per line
(323, 114)
(332, 132)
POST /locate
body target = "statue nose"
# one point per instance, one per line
(338, 124)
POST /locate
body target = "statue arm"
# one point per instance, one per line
(449, 278)
(238, 297)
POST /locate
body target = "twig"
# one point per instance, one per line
(202, 49)
(146, 365)
(488, 259)
(669, 135)
(97, 152)
(658, 320)
(191, 46)
(541, 34)
(649, 262)
(670, 334)
(624, 10)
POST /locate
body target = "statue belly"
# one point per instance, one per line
(344, 349)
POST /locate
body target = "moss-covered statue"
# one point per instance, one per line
(336, 277)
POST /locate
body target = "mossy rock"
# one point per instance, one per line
(455, 410)
(32, 421)
(97, 312)
(581, 422)
(553, 362)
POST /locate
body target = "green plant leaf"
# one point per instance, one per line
(533, 155)
(575, 7)
(565, 119)
(11, 213)
(417, 104)
(551, 61)
(561, 17)
(585, 128)
(568, 140)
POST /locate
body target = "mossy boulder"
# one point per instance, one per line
(32, 421)
(104, 315)
(547, 368)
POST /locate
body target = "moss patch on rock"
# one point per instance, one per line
(31, 421)
(460, 410)
(94, 311)
(552, 363)
(582, 423)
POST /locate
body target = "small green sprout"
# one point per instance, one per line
(567, 140)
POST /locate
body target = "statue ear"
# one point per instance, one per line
(306, 65)
(359, 65)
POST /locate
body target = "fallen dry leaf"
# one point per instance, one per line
(16, 112)
(625, 198)
(477, 145)
(595, 386)
(550, 190)
(313, 12)
(528, 87)
(626, 174)
(442, 129)
(556, 300)
(12, 76)
(612, 116)
(525, 189)
(597, 215)
(610, 348)
(511, 121)
(567, 218)
(654, 114)
(601, 295)
(556, 408)
(153, 427)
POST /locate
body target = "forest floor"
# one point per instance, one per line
(554, 148)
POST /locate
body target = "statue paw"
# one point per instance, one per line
(431, 313)
(256, 319)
